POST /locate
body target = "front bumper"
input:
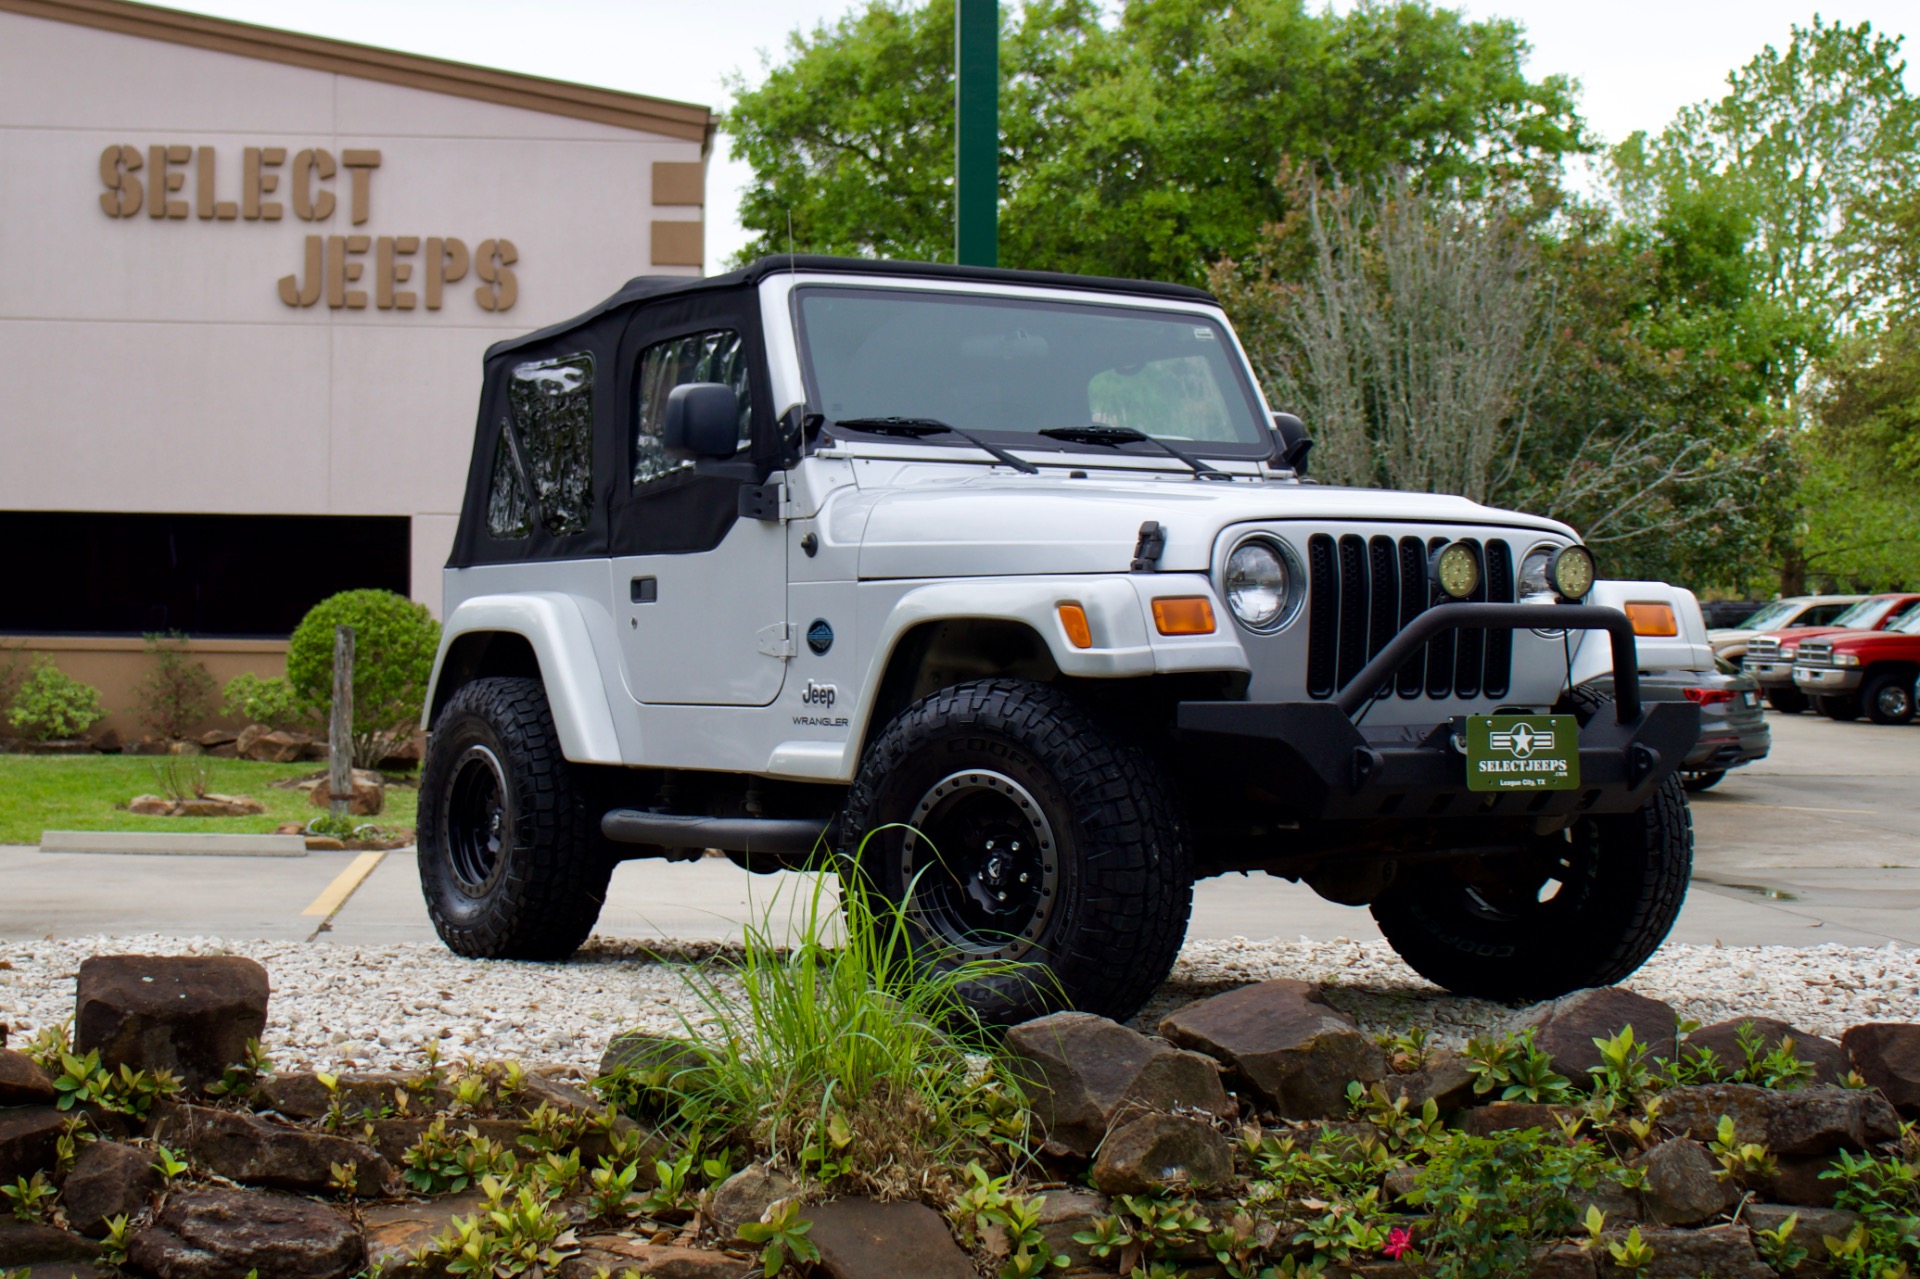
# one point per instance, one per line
(1770, 674)
(1310, 758)
(1725, 747)
(1824, 681)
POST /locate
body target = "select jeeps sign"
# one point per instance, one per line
(1523, 752)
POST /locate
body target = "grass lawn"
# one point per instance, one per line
(90, 792)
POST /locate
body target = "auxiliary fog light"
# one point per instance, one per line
(1570, 572)
(1456, 570)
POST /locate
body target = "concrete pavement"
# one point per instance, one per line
(1818, 843)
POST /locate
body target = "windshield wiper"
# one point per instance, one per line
(917, 427)
(1114, 436)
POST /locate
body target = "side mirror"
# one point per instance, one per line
(702, 422)
(1295, 443)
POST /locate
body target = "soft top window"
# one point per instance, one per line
(715, 355)
(548, 437)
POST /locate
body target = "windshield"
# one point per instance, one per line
(1863, 616)
(1012, 367)
(1909, 623)
(1774, 614)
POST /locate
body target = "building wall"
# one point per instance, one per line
(153, 364)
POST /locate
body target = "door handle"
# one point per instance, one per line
(644, 590)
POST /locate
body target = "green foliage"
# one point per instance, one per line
(442, 1161)
(83, 1081)
(843, 1060)
(113, 1248)
(269, 701)
(1778, 1248)
(32, 1198)
(1492, 1199)
(240, 1078)
(1631, 1253)
(1860, 494)
(1520, 1071)
(51, 704)
(1741, 1161)
(783, 1238)
(394, 643)
(514, 1234)
(177, 694)
(1125, 140)
(168, 1164)
(1885, 1191)
(1146, 1229)
(988, 1203)
(1626, 1072)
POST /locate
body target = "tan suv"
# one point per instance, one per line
(1730, 642)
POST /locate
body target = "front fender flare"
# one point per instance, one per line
(553, 626)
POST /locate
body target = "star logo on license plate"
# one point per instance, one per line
(1521, 741)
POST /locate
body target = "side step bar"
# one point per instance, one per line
(787, 837)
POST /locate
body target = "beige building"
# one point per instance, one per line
(246, 279)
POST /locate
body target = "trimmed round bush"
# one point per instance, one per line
(52, 704)
(394, 640)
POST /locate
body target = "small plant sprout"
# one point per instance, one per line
(782, 1236)
(1595, 1223)
(31, 1198)
(1513, 1066)
(1631, 1253)
(113, 1248)
(244, 1075)
(168, 1164)
(1740, 1161)
(343, 1179)
(1625, 1070)
(1778, 1247)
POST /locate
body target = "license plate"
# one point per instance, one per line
(1523, 752)
(1750, 697)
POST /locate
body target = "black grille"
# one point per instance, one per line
(1364, 591)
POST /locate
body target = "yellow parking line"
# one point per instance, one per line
(343, 884)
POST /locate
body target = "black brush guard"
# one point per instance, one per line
(1311, 759)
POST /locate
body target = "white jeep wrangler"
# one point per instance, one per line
(1007, 591)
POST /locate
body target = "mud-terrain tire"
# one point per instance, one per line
(1843, 709)
(1888, 699)
(1490, 926)
(1004, 778)
(1694, 783)
(509, 863)
(1788, 701)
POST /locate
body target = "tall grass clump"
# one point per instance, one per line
(842, 1057)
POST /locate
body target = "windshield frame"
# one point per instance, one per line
(1030, 442)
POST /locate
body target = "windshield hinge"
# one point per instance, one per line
(763, 501)
(776, 640)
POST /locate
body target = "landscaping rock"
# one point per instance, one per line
(1804, 1121)
(226, 1234)
(1503, 1116)
(24, 1243)
(1444, 1080)
(368, 797)
(219, 806)
(1887, 1055)
(28, 1136)
(1295, 1051)
(258, 1152)
(1163, 1152)
(108, 1180)
(150, 806)
(1064, 1214)
(1562, 1261)
(371, 1095)
(637, 1051)
(395, 1233)
(1828, 1059)
(192, 1015)
(1813, 1226)
(1798, 1181)
(1716, 1252)
(393, 1138)
(1565, 1028)
(616, 1254)
(217, 737)
(270, 747)
(745, 1197)
(1621, 1206)
(861, 1239)
(1680, 1188)
(1084, 1073)
(22, 1082)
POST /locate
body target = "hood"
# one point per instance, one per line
(1857, 640)
(979, 526)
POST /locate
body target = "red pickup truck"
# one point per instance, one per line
(1853, 671)
(1770, 657)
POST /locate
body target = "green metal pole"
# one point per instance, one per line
(976, 141)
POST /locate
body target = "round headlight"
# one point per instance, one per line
(1571, 572)
(1259, 585)
(1533, 573)
(1456, 570)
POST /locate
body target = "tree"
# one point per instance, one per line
(1860, 500)
(1818, 144)
(1147, 148)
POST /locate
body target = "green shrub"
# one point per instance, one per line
(178, 693)
(394, 642)
(13, 672)
(52, 704)
(263, 701)
(1492, 1199)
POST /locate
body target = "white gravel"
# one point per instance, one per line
(364, 1007)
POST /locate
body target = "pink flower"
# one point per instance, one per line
(1398, 1241)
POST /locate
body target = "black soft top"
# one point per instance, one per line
(644, 287)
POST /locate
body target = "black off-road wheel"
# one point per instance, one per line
(1012, 827)
(509, 862)
(1694, 783)
(1788, 701)
(1584, 907)
(1889, 699)
(1843, 709)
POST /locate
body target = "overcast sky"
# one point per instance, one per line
(1637, 61)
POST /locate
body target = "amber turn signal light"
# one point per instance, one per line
(1183, 615)
(1652, 619)
(1073, 619)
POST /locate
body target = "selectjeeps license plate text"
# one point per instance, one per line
(1523, 752)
